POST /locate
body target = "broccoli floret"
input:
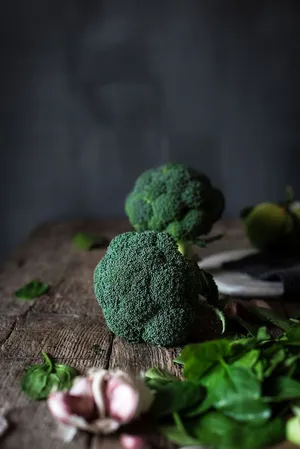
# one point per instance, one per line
(175, 199)
(148, 291)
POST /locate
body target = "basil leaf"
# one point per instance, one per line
(218, 431)
(293, 335)
(247, 410)
(157, 374)
(198, 358)
(272, 317)
(178, 434)
(209, 381)
(87, 242)
(248, 359)
(32, 290)
(236, 381)
(65, 376)
(283, 389)
(178, 360)
(39, 380)
(237, 394)
(262, 334)
(272, 363)
(175, 397)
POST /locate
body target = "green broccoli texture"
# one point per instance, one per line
(174, 199)
(148, 291)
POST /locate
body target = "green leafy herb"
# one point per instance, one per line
(198, 358)
(32, 290)
(284, 389)
(175, 396)
(39, 380)
(87, 242)
(293, 335)
(236, 393)
(268, 315)
(219, 431)
(158, 375)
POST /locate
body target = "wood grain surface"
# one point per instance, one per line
(66, 323)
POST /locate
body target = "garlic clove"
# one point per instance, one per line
(132, 442)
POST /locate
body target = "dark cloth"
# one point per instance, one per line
(285, 269)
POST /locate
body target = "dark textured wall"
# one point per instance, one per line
(94, 92)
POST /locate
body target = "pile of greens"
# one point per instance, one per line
(236, 393)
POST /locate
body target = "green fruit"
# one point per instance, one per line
(267, 224)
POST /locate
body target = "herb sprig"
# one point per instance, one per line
(32, 290)
(235, 393)
(39, 380)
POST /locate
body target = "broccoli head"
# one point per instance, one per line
(175, 199)
(148, 291)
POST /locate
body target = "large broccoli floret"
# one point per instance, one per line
(148, 290)
(175, 199)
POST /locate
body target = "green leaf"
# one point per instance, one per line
(248, 359)
(157, 374)
(293, 335)
(262, 334)
(177, 434)
(247, 410)
(39, 380)
(272, 363)
(174, 396)
(178, 360)
(237, 381)
(237, 394)
(218, 431)
(242, 343)
(32, 290)
(258, 370)
(87, 242)
(198, 358)
(210, 382)
(284, 389)
(271, 316)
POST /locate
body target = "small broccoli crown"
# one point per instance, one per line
(147, 290)
(175, 199)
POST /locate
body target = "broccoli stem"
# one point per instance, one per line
(182, 247)
(186, 249)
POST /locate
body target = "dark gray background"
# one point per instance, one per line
(94, 92)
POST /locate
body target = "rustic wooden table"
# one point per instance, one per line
(66, 323)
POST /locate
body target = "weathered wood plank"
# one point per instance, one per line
(45, 255)
(63, 337)
(74, 295)
(134, 358)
